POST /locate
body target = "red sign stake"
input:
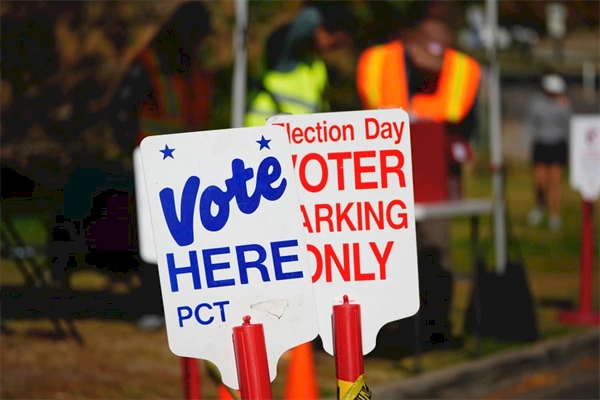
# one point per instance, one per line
(251, 361)
(585, 315)
(191, 380)
(348, 351)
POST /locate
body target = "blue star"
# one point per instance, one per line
(263, 143)
(167, 152)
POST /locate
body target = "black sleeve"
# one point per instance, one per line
(467, 128)
(123, 109)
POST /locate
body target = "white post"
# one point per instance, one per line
(238, 90)
(495, 124)
(588, 77)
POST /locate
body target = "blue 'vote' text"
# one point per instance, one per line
(182, 230)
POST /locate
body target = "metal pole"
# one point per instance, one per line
(496, 138)
(588, 75)
(238, 91)
(587, 258)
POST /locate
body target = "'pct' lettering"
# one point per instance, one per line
(202, 317)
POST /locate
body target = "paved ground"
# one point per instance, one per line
(582, 387)
(577, 381)
(566, 368)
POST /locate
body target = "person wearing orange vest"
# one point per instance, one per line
(424, 75)
(421, 73)
(165, 90)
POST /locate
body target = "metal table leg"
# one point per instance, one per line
(35, 275)
(474, 260)
(418, 366)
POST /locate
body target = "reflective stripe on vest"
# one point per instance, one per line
(382, 83)
(297, 92)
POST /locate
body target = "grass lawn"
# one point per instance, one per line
(119, 362)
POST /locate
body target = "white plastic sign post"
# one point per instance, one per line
(356, 190)
(584, 148)
(144, 225)
(229, 242)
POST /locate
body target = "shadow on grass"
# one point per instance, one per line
(36, 303)
(552, 302)
(61, 308)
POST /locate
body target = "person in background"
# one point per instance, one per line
(420, 72)
(295, 77)
(165, 90)
(545, 136)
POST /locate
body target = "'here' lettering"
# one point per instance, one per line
(251, 262)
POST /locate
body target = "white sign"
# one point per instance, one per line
(584, 155)
(556, 20)
(356, 189)
(229, 241)
(144, 224)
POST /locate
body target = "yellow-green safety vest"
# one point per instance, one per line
(300, 91)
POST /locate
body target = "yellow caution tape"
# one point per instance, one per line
(357, 390)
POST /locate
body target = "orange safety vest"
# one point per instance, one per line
(176, 104)
(382, 83)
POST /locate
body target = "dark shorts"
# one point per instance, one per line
(550, 153)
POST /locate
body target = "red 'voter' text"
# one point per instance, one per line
(387, 164)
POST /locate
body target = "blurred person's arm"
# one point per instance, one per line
(299, 38)
(565, 102)
(528, 129)
(123, 110)
(467, 128)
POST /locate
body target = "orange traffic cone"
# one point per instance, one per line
(225, 394)
(301, 382)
